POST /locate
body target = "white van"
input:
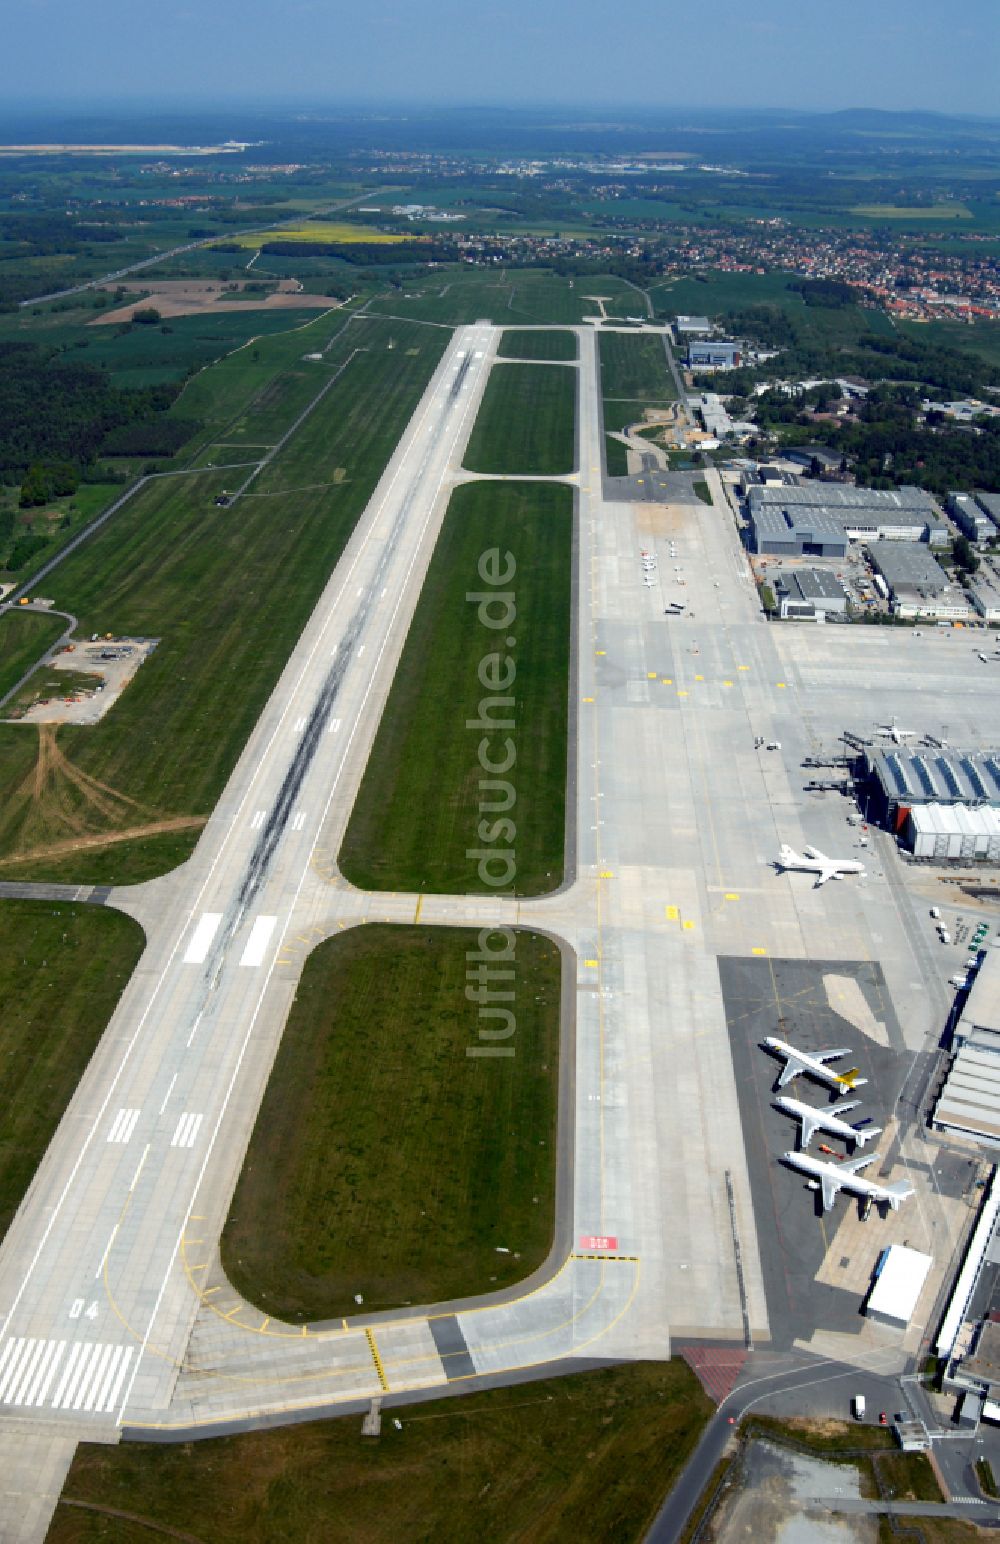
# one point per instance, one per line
(935, 912)
(858, 1407)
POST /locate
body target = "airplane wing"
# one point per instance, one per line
(825, 1056)
(830, 1188)
(809, 1125)
(854, 1164)
(790, 1070)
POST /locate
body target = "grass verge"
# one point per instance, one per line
(515, 344)
(589, 1456)
(414, 823)
(227, 592)
(526, 422)
(701, 488)
(62, 970)
(635, 365)
(906, 1477)
(385, 1160)
(24, 637)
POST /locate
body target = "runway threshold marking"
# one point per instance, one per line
(376, 1358)
(256, 946)
(201, 938)
(92, 1374)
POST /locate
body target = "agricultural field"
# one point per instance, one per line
(350, 1183)
(339, 231)
(24, 638)
(526, 423)
(227, 592)
(922, 212)
(555, 346)
(62, 970)
(589, 1456)
(417, 809)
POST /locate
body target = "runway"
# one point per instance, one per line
(114, 1313)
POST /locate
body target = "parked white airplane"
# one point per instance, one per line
(895, 732)
(831, 1178)
(797, 1062)
(812, 861)
(813, 1120)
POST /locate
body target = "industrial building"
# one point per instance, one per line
(715, 354)
(688, 326)
(899, 1280)
(795, 532)
(867, 514)
(954, 832)
(989, 503)
(983, 589)
(717, 420)
(918, 586)
(897, 780)
(828, 461)
(969, 1102)
(971, 519)
(809, 594)
(968, 1342)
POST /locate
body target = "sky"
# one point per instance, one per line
(901, 54)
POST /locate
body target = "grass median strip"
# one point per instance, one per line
(526, 422)
(62, 970)
(24, 638)
(634, 376)
(386, 1160)
(589, 1456)
(227, 592)
(422, 808)
(543, 344)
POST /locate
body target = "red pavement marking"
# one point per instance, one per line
(716, 1367)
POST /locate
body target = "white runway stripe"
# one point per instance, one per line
(201, 938)
(256, 946)
(300, 724)
(91, 1378)
(334, 726)
(186, 1130)
(299, 820)
(258, 820)
(123, 1126)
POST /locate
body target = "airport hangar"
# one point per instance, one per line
(790, 521)
(944, 803)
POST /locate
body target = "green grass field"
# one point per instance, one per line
(526, 423)
(515, 344)
(62, 970)
(385, 1160)
(590, 1456)
(635, 366)
(521, 295)
(24, 637)
(227, 592)
(619, 412)
(417, 810)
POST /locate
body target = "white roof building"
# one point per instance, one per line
(898, 1284)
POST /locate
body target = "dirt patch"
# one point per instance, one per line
(845, 997)
(67, 848)
(192, 297)
(107, 665)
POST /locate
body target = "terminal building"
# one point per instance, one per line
(969, 1102)
(917, 585)
(897, 781)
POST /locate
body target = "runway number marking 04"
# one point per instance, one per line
(77, 1308)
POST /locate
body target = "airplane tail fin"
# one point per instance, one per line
(866, 1133)
(898, 1191)
(851, 1078)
